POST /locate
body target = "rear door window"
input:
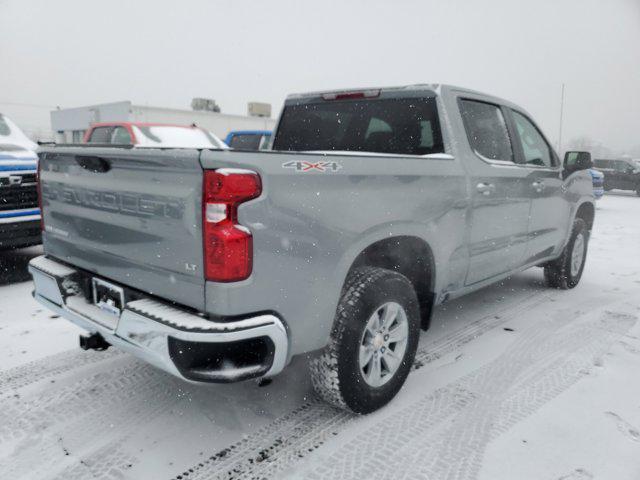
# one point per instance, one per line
(486, 130)
(101, 135)
(407, 126)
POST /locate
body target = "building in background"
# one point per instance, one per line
(70, 124)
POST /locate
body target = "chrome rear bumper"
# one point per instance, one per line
(164, 335)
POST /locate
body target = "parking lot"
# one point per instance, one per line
(513, 381)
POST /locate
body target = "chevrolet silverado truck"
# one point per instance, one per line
(373, 207)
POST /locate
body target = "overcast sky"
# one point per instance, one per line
(79, 52)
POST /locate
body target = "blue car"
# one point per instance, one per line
(249, 139)
(597, 177)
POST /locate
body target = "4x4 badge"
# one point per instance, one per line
(304, 166)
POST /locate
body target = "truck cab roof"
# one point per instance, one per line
(428, 89)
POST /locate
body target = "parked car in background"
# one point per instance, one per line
(19, 211)
(597, 178)
(249, 139)
(621, 174)
(152, 135)
(375, 206)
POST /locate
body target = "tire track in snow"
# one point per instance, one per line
(284, 442)
(109, 459)
(64, 427)
(19, 377)
(59, 426)
(473, 330)
(544, 362)
(20, 415)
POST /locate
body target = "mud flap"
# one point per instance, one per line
(426, 310)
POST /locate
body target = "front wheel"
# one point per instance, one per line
(372, 344)
(566, 271)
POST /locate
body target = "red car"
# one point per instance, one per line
(152, 135)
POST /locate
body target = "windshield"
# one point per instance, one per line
(175, 137)
(399, 125)
(5, 130)
(10, 134)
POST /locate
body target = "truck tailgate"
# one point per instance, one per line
(132, 216)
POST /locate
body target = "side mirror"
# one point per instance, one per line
(574, 161)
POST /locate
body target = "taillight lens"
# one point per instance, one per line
(228, 246)
(38, 185)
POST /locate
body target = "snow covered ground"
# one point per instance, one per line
(513, 382)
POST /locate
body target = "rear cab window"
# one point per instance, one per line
(404, 126)
(487, 130)
(101, 135)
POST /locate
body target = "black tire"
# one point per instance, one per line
(336, 373)
(558, 274)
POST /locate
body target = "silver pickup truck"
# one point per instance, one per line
(373, 207)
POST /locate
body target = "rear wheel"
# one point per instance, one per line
(372, 344)
(566, 271)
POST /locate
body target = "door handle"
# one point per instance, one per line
(486, 188)
(538, 186)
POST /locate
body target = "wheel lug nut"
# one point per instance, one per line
(386, 337)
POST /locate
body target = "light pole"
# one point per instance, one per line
(561, 114)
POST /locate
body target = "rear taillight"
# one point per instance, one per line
(228, 246)
(40, 195)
